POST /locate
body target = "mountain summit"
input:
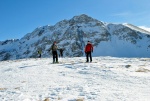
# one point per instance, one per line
(120, 40)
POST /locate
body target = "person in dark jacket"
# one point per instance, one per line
(88, 50)
(54, 52)
(61, 52)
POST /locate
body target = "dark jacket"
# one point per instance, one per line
(54, 47)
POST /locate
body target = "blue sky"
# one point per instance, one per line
(19, 17)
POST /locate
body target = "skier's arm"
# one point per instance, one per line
(57, 47)
(92, 48)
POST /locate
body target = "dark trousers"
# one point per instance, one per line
(55, 56)
(88, 54)
(39, 55)
(61, 54)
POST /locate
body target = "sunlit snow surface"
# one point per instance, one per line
(105, 79)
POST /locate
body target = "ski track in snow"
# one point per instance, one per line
(105, 79)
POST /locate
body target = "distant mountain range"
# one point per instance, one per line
(119, 40)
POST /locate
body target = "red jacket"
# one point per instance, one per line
(89, 48)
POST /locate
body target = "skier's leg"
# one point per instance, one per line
(56, 57)
(53, 56)
(90, 57)
(87, 57)
(62, 54)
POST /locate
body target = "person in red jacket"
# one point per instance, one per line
(88, 50)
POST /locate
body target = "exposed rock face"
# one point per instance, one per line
(73, 34)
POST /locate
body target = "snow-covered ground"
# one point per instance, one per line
(105, 79)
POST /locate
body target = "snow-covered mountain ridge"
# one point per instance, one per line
(121, 40)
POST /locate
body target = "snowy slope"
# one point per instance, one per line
(121, 40)
(125, 42)
(106, 79)
(145, 28)
(140, 29)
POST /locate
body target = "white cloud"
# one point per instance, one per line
(123, 14)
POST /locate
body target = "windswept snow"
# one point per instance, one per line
(145, 28)
(105, 79)
(140, 28)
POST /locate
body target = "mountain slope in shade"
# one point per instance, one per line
(108, 39)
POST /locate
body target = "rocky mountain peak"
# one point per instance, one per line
(81, 19)
(108, 39)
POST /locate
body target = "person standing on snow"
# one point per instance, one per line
(39, 53)
(54, 52)
(61, 52)
(88, 50)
